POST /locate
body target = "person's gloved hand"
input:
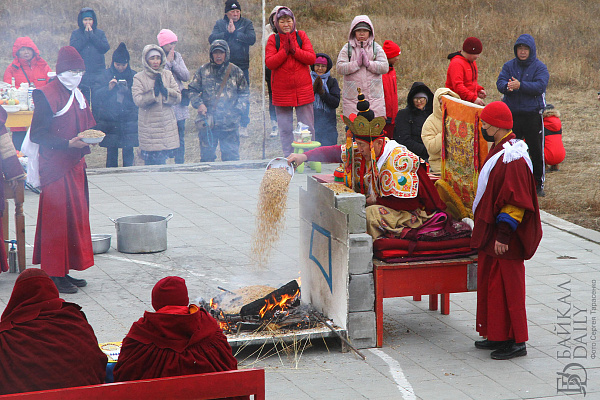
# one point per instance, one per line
(164, 91)
(157, 85)
(359, 59)
(292, 45)
(318, 86)
(365, 58)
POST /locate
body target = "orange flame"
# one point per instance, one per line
(272, 303)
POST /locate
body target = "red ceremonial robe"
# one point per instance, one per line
(427, 197)
(160, 345)
(501, 311)
(62, 238)
(10, 169)
(45, 342)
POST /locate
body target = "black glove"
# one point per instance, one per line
(157, 85)
(164, 91)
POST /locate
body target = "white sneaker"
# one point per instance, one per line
(274, 131)
(244, 131)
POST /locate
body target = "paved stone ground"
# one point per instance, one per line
(426, 355)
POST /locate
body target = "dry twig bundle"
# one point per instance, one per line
(270, 213)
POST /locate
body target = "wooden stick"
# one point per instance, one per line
(328, 324)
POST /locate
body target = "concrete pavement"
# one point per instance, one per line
(426, 355)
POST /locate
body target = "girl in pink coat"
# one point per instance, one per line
(362, 62)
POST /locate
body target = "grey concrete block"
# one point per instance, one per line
(361, 329)
(361, 293)
(360, 254)
(354, 206)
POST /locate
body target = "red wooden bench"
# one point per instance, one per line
(216, 385)
(422, 278)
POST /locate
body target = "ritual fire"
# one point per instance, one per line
(261, 308)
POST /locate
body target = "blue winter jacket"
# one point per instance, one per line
(533, 75)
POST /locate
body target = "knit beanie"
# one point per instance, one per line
(68, 59)
(321, 60)
(87, 14)
(170, 291)
(420, 94)
(153, 52)
(362, 25)
(497, 114)
(232, 5)
(391, 49)
(121, 55)
(472, 45)
(166, 36)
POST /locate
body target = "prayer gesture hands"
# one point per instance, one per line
(318, 86)
(231, 26)
(291, 45)
(365, 58)
(513, 84)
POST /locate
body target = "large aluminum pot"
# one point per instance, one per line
(141, 233)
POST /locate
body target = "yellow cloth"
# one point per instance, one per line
(381, 220)
(515, 212)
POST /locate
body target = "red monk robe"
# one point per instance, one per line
(175, 340)
(62, 238)
(10, 170)
(501, 311)
(45, 342)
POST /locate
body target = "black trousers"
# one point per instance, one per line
(529, 127)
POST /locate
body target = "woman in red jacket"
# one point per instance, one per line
(288, 55)
(27, 67)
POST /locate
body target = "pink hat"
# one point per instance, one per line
(68, 59)
(170, 291)
(166, 36)
(497, 114)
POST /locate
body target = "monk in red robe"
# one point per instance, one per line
(45, 342)
(62, 239)
(10, 171)
(507, 231)
(177, 339)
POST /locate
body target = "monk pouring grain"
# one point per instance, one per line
(399, 193)
(507, 231)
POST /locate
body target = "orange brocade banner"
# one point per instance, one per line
(464, 150)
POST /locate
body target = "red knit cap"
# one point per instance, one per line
(472, 45)
(68, 59)
(391, 49)
(497, 114)
(170, 291)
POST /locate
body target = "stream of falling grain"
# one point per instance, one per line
(270, 214)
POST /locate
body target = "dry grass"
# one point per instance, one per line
(565, 32)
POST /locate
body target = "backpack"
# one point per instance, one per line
(374, 51)
(278, 40)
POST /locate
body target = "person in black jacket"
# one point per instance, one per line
(410, 120)
(239, 34)
(327, 99)
(114, 109)
(91, 43)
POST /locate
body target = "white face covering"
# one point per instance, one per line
(71, 80)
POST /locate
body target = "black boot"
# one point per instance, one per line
(510, 351)
(76, 282)
(491, 344)
(63, 285)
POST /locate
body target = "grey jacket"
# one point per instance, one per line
(181, 74)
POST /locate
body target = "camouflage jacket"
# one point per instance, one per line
(228, 109)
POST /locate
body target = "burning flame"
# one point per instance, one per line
(282, 304)
(213, 304)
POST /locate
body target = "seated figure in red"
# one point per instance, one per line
(46, 342)
(176, 339)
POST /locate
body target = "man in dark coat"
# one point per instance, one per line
(523, 81)
(239, 34)
(507, 231)
(409, 121)
(114, 109)
(176, 339)
(92, 44)
(46, 342)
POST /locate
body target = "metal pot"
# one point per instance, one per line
(141, 233)
(100, 243)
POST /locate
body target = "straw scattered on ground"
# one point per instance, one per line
(270, 213)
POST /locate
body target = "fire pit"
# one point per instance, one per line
(260, 314)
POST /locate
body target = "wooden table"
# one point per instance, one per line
(422, 278)
(18, 195)
(19, 119)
